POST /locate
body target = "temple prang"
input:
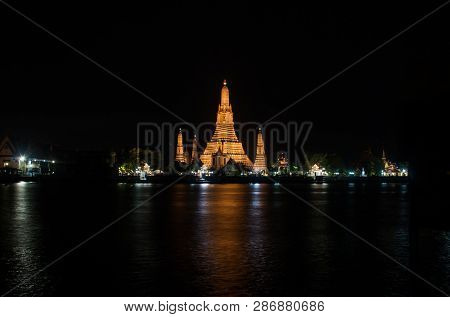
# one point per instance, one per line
(224, 138)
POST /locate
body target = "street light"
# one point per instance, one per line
(22, 158)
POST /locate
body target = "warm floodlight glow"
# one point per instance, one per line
(224, 144)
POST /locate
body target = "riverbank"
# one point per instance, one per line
(190, 179)
(261, 179)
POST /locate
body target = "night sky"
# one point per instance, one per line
(271, 55)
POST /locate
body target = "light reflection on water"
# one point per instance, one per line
(23, 257)
(215, 239)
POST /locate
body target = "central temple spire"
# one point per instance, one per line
(225, 96)
(224, 139)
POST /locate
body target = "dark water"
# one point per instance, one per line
(221, 239)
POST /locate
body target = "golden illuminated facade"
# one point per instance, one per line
(260, 165)
(180, 157)
(224, 139)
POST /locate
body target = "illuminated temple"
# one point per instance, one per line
(260, 165)
(224, 144)
(180, 156)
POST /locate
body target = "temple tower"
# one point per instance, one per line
(224, 136)
(194, 150)
(180, 151)
(384, 160)
(260, 165)
(187, 157)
